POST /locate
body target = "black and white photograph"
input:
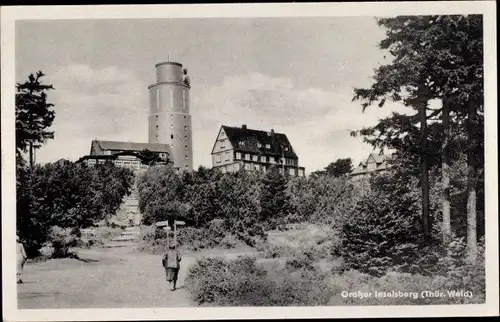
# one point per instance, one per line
(171, 161)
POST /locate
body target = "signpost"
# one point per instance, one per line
(167, 227)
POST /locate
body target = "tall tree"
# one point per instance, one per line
(274, 200)
(34, 115)
(444, 55)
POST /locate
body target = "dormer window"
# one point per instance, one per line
(242, 143)
(268, 146)
(259, 145)
(285, 148)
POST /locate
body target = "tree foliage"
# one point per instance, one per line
(274, 200)
(66, 195)
(336, 169)
(150, 158)
(433, 57)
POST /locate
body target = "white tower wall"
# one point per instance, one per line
(169, 118)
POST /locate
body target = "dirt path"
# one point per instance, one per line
(121, 277)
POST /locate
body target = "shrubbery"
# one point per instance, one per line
(214, 281)
(232, 199)
(384, 231)
(243, 282)
(68, 195)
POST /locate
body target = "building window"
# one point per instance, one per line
(271, 159)
(285, 148)
(223, 144)
(227, 156)
(256, 167)
(247, 156)
(281, 171)
(264, 168)
(301, 172)
(223, 169)
(238, 155)
(291, 171)
(255, 158)
(263, 159)
(236, 167)
(248, 166)
(242, 143)
(217, 158)
(259, 145)
(222, 134)
(268, 146)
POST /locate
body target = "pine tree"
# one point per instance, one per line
(33, 115)
(274, 200)
(435, 57)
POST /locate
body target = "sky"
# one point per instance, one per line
(293, 75)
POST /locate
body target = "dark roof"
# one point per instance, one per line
(245, 140)
(132, 146)
(97, 157)
(168, 63)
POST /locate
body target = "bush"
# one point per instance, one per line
(62, 239)
(385, 232)
(213, 281)
(194, 238)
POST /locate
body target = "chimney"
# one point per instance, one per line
(244, 126)
(272, 131)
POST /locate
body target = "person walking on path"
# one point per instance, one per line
(171, 262)
(21, 259)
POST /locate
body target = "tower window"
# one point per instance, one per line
(185, 117)
(172, 136)
(185, 127)
(185, 137)
(186, 147)
(171, 125)
(186, 157)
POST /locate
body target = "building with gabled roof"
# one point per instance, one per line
(124, 154)
(373, 164)
(242, 148)
(101, 147)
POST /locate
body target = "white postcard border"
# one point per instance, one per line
(10, 14)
